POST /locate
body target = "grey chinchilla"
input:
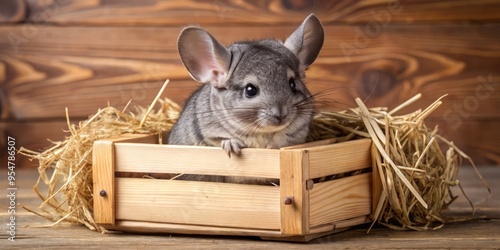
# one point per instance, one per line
(253, 92)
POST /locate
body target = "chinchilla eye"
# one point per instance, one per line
(293, 86)
(251, 90)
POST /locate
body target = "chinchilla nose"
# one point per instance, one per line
(278, 113)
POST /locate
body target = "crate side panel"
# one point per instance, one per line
(150, 158)
(198, 203)
(341, 199)
(339, 158)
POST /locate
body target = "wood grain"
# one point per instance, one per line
(69, 67)
(481, 233)
(103, 179)
(230, 12)
(479, 139)
(12, 11)
(149, 158)
(350, 197)
(377, 186)
(133, 138)
(293, 177)
(152, 227)
(198, 203)
(339, 158)
(294, 167)
(87, 59)
(31, 135)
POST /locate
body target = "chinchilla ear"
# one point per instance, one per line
(205, 58)
(306, 41)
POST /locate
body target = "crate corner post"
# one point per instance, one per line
(294, 198)
(377, 186)
(103, 161)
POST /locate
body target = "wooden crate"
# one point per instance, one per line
(299, 209)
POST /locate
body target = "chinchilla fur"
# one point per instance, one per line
(253, 92)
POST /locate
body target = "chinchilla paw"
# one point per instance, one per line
(232, 146)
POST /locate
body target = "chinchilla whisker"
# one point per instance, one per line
(222, 121)
(325, 92)
(249, 128)
(227, 109)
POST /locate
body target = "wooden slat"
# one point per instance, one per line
(479, 139)
(319, 232)
(12, 11)
(158, 12)
(198, 203)
(103, 161)
(152, 227)
(135, 138)
(339, 158)
(293, 177)
(341, 224)
(385, 70)
(377, 187)
(315, 143)
(146, 158)
(351, 195)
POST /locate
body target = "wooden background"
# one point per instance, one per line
(81, 54)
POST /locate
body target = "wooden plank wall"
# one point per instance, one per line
(81, 54)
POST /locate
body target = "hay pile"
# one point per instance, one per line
(415, 174)
(69, 196)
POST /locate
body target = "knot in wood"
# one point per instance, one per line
(288, 200)
(378, 82)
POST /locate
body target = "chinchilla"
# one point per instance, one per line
(253, 92)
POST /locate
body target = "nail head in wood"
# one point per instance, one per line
(288, 200)
(103, 193)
